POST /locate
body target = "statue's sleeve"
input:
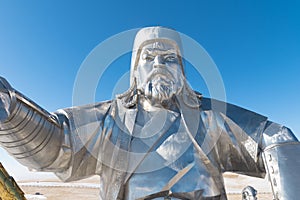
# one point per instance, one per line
(250, 144)
(237, 133)
(59, 142)
(83, 129)
(32, 135)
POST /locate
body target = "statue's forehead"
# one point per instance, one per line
(159, 47)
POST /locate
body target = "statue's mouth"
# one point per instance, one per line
(162, 75)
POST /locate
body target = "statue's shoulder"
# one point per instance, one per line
(236, 116)
(86, 110)
(234, 112)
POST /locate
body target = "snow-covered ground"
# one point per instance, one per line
(60, 184)
(234, 183)
(52, 188)
(35, 197)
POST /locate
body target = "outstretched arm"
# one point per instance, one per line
(29, 133)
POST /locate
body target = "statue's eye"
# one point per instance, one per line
(148, 57)
(170, 58)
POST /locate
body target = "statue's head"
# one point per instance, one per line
(156, 65)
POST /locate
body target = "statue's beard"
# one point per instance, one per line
(158, 90)
(161, 87)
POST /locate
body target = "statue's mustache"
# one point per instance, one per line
(163, 73)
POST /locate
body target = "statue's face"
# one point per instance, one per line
(158, 74)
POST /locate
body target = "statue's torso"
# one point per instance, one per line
(142, 153)
(169, 164)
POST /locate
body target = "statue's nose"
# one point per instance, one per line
(158, 61)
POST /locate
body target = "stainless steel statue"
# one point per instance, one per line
(158, 140)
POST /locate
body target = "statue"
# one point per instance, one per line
(158, 140)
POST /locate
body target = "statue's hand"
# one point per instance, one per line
(4, 99)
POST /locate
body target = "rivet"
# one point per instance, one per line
(274, 182)
(272, 170)
(270, 157)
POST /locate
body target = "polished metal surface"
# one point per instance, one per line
(158, 140)
(29, 132)
(249, 193)
(282, 161)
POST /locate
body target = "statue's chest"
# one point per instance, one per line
(162, 158)
(190, 180)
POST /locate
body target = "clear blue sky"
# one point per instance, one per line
(255, 45)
